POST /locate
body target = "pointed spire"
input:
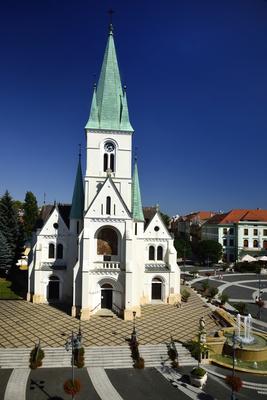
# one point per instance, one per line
(108, 103)
(77, 205)
(137, 209)
(124, 119)
(93, 121)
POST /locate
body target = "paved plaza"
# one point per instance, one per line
(22, 323)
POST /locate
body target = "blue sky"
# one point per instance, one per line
(196, 76)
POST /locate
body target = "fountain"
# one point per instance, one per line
(246, 337)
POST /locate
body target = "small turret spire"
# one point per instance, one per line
(77, 205)
(137, 209)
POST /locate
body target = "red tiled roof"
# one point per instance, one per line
(200, 215)
(238, 215)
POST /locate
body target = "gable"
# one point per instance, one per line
(157, 229)
(102, 207)
(50, 228)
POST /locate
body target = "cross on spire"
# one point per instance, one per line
(110, 12)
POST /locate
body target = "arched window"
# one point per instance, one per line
(51, 250)
(105, 165)
(108, 205)
(255, 243)
(160, 253)
(112, 162)
(60, 251)
(151, 255)
(109, 156)
(245, 243)
(107, 242)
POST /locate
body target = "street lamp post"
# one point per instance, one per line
(133, 338)
(74, 342)
(201, 338)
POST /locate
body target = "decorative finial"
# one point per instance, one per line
(44, 197)
(157, 207)
(124, 88)
(108, 171)
(95, 86)
(110, 12)
(80, 151)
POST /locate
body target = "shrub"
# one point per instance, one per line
(36, 357)
(198, 372)
(241, 308)
(223, 298)
(234, 382)
(248, 267)
(140, 363)
(213, 291)
(172, 354)
(205, 285)
(185, 295)
(72, 387)
(79, 357)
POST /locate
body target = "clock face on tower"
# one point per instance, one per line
(109, 147)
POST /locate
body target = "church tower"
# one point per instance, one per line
(109, 131)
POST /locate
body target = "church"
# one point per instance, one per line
(104, 251)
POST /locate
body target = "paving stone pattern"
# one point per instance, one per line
(21, 323)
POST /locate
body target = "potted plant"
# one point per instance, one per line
(198, 377)
(72, 387)
(185, 295)
(234, 382)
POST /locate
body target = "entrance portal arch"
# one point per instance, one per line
(106, 296)
(156, 289)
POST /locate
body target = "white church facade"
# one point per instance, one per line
(103, 251)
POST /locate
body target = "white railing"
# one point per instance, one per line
(107, 265)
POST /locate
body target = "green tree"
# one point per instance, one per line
(208, 251)
(5, 253)
(30, 213)
(166, 219)
(183, 248)
(9, 225)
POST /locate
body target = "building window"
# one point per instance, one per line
(231, 231)
(225, 231)
(77, 228)
(255, 243)
(264, 232)
(245, 231)
(224, 242)
(135, 228)
(51, 250)
(245, 243)
(231, 242)
(151, 255)
(160, 253)
(108, 205)
(255, 232)
(60, 251)
(109, 156)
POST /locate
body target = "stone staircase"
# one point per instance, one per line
(104, 356)
(156, 355)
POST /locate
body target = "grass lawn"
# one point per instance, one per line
(5, 290)
(261, 365)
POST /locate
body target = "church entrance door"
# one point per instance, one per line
(53, 289)
(106, 296)
(156, 289)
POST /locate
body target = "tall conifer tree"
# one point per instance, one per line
(5, 253)
(30, 213)
(9, 224)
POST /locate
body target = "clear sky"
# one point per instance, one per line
(196, 76)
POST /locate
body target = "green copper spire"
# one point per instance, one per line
(137, 209)
(77, 205)
(109, 105)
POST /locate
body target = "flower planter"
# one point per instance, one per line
(198, 381)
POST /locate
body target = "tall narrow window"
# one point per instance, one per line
(105, 166)
(160, 253)
(112, 162)
(101, 209)
(108, 205)
(245, 243)
(78, 228)
(51, 250)
(60, 251)
(135, 228)
(255, 243)
(114, 209)
(151, 255)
